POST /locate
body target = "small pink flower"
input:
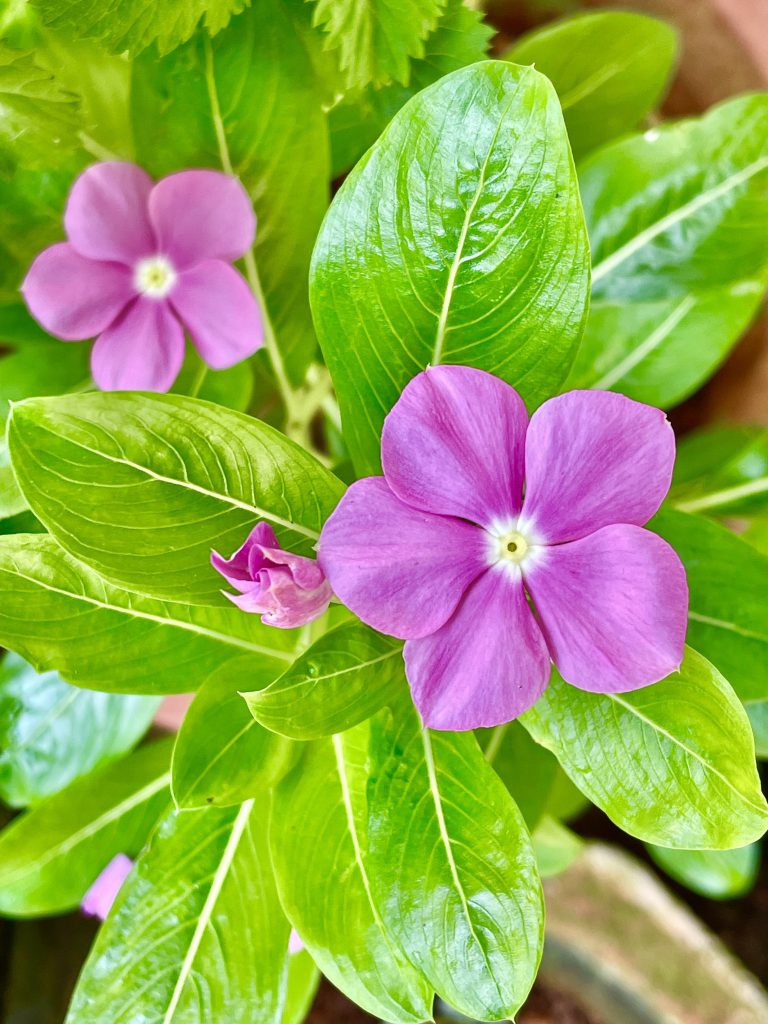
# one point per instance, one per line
(102, 894)
(493, 544)
(295, 944)
(143, 263)
(287, 590)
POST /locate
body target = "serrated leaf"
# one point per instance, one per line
(320, 851)
(58, 614)
(722, 471)
(197, 934)
(345, 677)
(135, 24)
(49, 856)
(376, 38)
(142, 487)
(444, 272)
(452, 866)
(231, 104)
(222, 755)
(716, 874)
(52, 733)
(673, 763)
(610, 70)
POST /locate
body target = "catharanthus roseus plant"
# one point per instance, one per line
(388, 485)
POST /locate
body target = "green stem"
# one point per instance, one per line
(197, 383)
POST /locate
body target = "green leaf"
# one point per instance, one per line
(716, 874)
(320, 852)
(610, 69)
(12, 501)
(722, 471)
(51, 733)
(50, 855)
(197, 934)
(58, 614)
(757, 712)
(134, 24)
(673, 763)
(376, 38)
(445, 273)
(303, 978)
(142, 487)
(222, 756)
(728, 607)
(345, 677)
(556, 846)
(526, 769)
(452, 866)
(247, 103)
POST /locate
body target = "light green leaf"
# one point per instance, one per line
(319, 837)
(197, 934)
(673, 763)
(134, 24)
(722, 470)
(728, 607)
(303, 978)
(222, 756)
(12, 501)
(231, 105)
(757, 712)
(50, 855)
(556, 847)
(526, 769)
(717, 874)
(484, 265)
(59, 614)
(376, 38)
(452, 866)
(142, 487)
(51, 733)
(345, 677)
(610, 69)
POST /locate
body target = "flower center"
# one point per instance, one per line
(513, 546)
(154, 277)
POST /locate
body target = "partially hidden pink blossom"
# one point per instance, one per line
(102, 894)
(144, 263)
(495, 545)
(287, 590)
(295, 944)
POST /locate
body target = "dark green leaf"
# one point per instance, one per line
(52, 733)
(345, 677)
(717, 874)
(722, 470)
(526, 769)
(443, 271)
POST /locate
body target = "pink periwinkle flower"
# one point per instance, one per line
(287, 590)
(295, 943)
(493, 544)
(143, 263)
(98, 901)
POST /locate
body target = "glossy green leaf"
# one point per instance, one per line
(610, 69)
(51, 733)
(452, 866)
(757, 712)
(722, 470)
(485, 263)
(134, 24)
(58, 614)
(49, 856)
(231, 104)
(728, 607)
(142, 487)
(556, 847)
(345, 677)
(222, 756)
(319, 837)
(12, 501)
(717, 874)
(526, 769)
(197, 934)
(375, 39)
(673, 763)
(303, 978)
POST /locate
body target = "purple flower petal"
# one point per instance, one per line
(592, 459)
(220, 312)
(305, 571)
(613, 608)
(281, 602)
(200, 215)
(454, 444)
(73, 297)
(400, 570)
(107, 217)
(142, 351)
(237, 570)
(486, 665)
(102, 894)
(295, 944)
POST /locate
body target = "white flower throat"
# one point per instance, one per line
(512, 549)
(154, 277)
